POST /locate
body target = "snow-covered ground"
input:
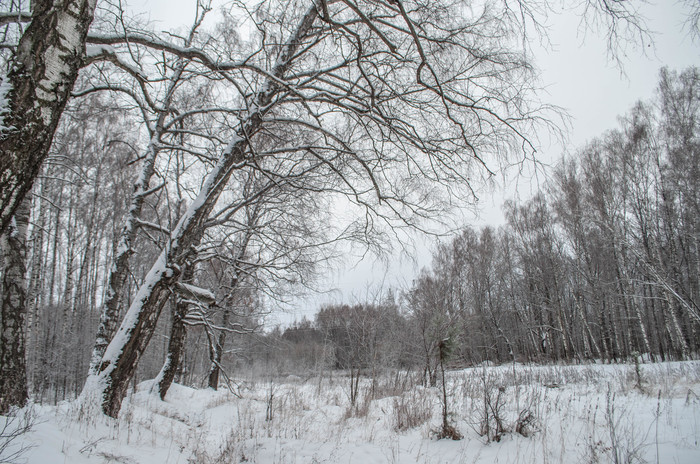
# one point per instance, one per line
(549, 414)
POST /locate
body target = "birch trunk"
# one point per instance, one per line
(13, 369)
(42, 75)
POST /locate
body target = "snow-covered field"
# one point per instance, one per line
(547, 414)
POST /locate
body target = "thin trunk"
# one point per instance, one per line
(67, 302)
(679, 340)
(54, 250)
(35, 290)
(588, 334)
(218, 353)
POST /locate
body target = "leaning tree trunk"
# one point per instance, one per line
(176, 343)
(13, 369)
(42, 75)
(118, 364)
(125, 247)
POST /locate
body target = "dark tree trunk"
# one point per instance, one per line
(176, 343)
(215, 370)
(13, 370)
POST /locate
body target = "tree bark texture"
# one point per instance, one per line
(13, 370)
(176, 343)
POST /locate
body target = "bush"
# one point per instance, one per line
(411, 411)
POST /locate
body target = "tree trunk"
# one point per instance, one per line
(176, 343)
(42, 75)
(35, 291)
(215, 369)
(121, 356)
(13, 369)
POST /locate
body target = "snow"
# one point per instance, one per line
(582, 414)
(199, 292)
(93, 51)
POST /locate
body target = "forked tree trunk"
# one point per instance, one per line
(116, 369)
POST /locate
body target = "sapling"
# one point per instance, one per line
(446, 346)
(637, 371)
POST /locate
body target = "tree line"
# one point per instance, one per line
(602, 264)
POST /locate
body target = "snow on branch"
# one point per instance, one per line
(103, 52)
(153, 226)
(197, 293)
(192, 53)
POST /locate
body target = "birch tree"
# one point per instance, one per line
(41, 73)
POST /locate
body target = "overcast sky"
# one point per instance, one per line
(578, 75)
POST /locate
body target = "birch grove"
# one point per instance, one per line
(326, 88)
(218, 170)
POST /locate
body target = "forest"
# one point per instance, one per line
(601, 265)
(163, 192)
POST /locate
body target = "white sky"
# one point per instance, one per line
(578, 76)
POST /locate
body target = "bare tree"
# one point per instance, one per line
(603, 262)
(359, 123)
